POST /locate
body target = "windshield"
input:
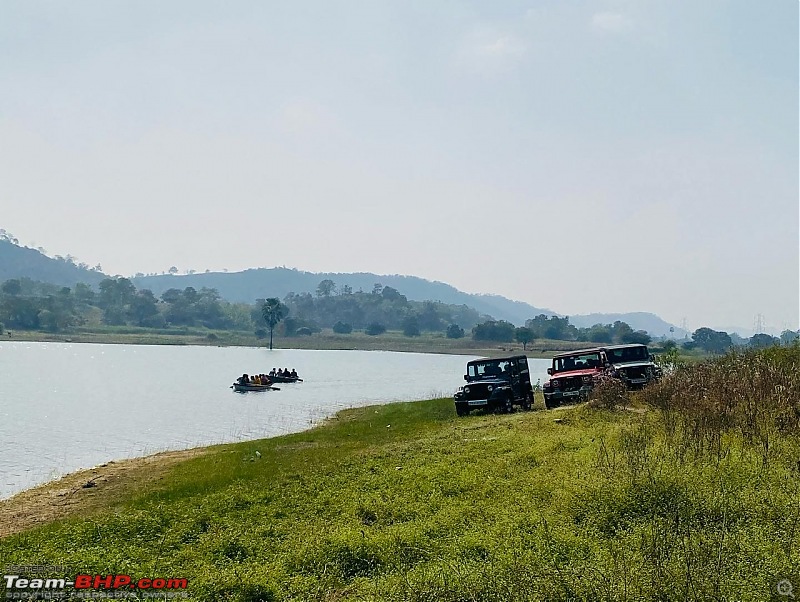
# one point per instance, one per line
(490, 369)
(580, 361)
(628, 354)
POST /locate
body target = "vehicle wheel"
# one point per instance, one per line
(461, 411)
(508, 405)
(527, 403)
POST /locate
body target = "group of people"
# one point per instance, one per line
(266, 379)
(283, 373)
(254, 379)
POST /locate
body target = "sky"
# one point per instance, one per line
(579, 155)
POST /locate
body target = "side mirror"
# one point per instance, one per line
(466, 377)
(550, 371)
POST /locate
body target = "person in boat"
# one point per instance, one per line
(293, 373)
(244, 379)
(266, 380)
(272, 372)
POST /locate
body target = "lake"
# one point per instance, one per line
(67, 406)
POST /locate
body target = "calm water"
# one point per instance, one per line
(69, 406)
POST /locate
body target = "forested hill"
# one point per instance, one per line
(249, 285)
(639, 320)
(22, 262)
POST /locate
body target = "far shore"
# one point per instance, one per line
(325, 340)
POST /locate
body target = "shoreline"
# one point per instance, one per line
(85, 489)
(320, 342)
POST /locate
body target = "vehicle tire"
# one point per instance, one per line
(461, 411)
(508, 405)
(527, 403)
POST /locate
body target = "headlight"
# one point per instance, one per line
(466, 389)
(554, 383)
(490, 387)
(587, 379)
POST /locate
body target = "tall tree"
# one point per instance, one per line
(326, 288)
(273, 311)
(524, 335)
(713, 341)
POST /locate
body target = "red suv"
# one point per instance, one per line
(573, 375)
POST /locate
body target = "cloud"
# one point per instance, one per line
(503, 46)
(491, 52)
(612, 23)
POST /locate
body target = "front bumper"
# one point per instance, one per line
(556, 395)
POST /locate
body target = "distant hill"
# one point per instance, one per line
(249, 285)
(258, 283)
(637, 320)
(22, 262)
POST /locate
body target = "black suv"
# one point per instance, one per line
(632, 364)
(495, 385)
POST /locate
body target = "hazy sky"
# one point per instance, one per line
(578, 155)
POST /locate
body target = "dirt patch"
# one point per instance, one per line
(86, 490)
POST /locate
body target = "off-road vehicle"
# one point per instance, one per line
(573, 375)
(495, 385)
(632, 364)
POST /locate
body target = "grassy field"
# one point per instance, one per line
(652, 501)
(327, 339)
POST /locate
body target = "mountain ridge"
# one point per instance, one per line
(248, 285)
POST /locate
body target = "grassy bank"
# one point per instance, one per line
(407, 502)
(327, 339)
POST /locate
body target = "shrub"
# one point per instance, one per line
(375, 328)
(454, 331)
(608, 392)
(411, 327)
(305, 331)
(261, 333)
(342, 328)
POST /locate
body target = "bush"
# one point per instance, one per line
(411, 327)
(212, 337)
(754, 394)
(342, 328)
(375, 328)
(454, 331)
(261, 333)
(305, 331)
(608, 392)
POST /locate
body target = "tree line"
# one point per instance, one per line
(30, 305)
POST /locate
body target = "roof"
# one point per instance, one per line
(498, 359)
(579, 351)
(626, 346)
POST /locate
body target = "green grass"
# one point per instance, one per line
(407, 502)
